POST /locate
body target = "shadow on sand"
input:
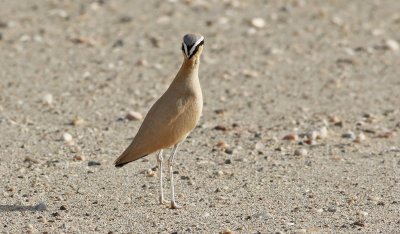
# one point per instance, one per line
(10, 208)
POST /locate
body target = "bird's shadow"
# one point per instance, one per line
(10, 208)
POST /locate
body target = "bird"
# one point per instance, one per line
(172, 117)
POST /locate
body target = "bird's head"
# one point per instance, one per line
(192, 45)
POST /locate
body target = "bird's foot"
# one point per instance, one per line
(163, 201)
(175, 206)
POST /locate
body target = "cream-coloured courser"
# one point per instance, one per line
(173, 116)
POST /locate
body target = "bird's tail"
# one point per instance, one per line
(129, 155)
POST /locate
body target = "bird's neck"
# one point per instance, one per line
(189, 71)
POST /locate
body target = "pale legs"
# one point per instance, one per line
(170, 164)
(160, 161)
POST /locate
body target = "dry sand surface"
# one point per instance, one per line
(325, 75)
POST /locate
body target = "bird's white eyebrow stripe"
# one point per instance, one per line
(185, 47)
(195, 45)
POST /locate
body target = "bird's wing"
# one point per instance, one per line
(160, 129)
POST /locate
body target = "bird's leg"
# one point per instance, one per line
(160, 161)
(170, 164)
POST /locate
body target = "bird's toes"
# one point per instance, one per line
(175, 206)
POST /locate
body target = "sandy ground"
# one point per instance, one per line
(325, 71)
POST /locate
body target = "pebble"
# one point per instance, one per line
(223, 145)
(322, 133)
(351, 201)
(373, 198)
(392, 45)
(133, 115)
(93, 163)
(333, 209)
(40, 207)
(291, 137)
(48, 99)
(312, 135)
(67, 137)
(334, 119)
(300, 152)
(299, 231)
(63, 207)
(226, 231)
(310, 142)
(258, 22)
(229, 151)
(362, 213)
(219, 173)
(43, 220)
(77, 121)
(126, 19)
(387, 134)
(79, 157)
(315, 210)
(259, 146)
(349, 135)
(11, 189)
(360, 137)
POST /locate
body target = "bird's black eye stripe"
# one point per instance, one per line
(196, 49)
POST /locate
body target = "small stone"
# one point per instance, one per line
(221, 128)
(334, 119)
(392, 45)
(228, 161)
(223, 145)
(349, 135)
(259, 146)
(126, 19)
(79, 157)
(339, 124)
(362, 213)
(229, 151)
(258, 22)
(322, 133)
(43, 220)
(359, 223)
(381, 203)
(63, 207)
(300, 231)
(226, 231)
(387, 134)
(315, 210)
(93, 163)
(143, 63)
(67, 137)
(291, 137)
(48, 99)
(11, 189)
(333, 209)
(133, 115)
(310, 142)
(118, 43)
(77, 121)
(351, 201)
(373, 198)
(40, 207)
(360, 137)
(219, 173)
(312, 135)
(300, 152)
